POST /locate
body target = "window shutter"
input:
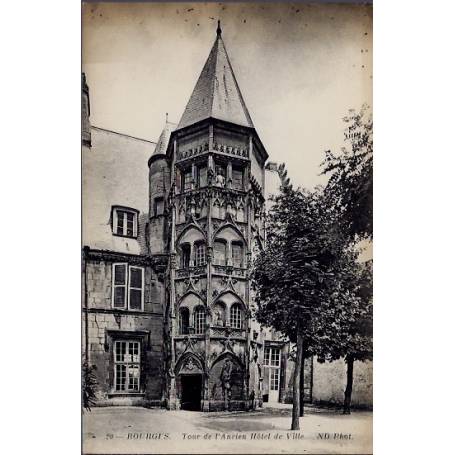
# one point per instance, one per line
(119, 285)
(136, 288)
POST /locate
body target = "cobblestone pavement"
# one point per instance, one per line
(130, 430)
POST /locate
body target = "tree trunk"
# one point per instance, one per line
(348, 391)
(296, 385)
(302, 385)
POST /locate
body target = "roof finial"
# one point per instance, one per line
(218, 30)
(166, 116)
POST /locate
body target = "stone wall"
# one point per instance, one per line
(329, 382)
(106, 325)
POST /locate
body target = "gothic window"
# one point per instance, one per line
(219, 252)
(237, 178)
(235, 317)
(159, 206)
(237, 254)
(185, 256)
(199, 256)
(127, 365)
(187, 179)
(199, 320)
(202, 176)
(124, 222)
(127, 287)
(184, 321)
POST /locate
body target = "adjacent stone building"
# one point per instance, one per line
(170, 230)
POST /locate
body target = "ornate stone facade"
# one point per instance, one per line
(214, 211)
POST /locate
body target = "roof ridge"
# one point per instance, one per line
(122, 134)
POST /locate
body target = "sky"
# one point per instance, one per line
(300, 69)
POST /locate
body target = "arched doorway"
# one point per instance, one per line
(190, 382)
(191, 392)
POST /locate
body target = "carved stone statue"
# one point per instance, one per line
(220, 181)
(218, 318)
(225, 377)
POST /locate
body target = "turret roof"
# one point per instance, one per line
(163, 140)
(216, 93)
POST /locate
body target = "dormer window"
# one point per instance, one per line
(124, 221)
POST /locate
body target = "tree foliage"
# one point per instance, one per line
(301, 276)
(298, 275)
(89, 386)
(350, 185)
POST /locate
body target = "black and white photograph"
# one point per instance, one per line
(227, 228)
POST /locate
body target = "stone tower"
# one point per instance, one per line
(212, 221)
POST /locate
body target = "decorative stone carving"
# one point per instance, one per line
(190, 364)
(225, 378)
(227, 342)
(218, 319)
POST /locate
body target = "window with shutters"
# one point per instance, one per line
(127, 287)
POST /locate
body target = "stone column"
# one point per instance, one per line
(172, 396)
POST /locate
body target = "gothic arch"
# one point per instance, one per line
(181, 300)
(234, 357)
(228, 226)
(185, 362)
(237, 299)
(188, 228)
(235, 379)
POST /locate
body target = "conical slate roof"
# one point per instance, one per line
(216, 93)
(163, 141)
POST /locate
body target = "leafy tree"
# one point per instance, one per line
(89, 386)
(349, 325)
(350, 184)
(350, 192)
(296, 275)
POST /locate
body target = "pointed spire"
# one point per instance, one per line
(163, 140)
(216, 93)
